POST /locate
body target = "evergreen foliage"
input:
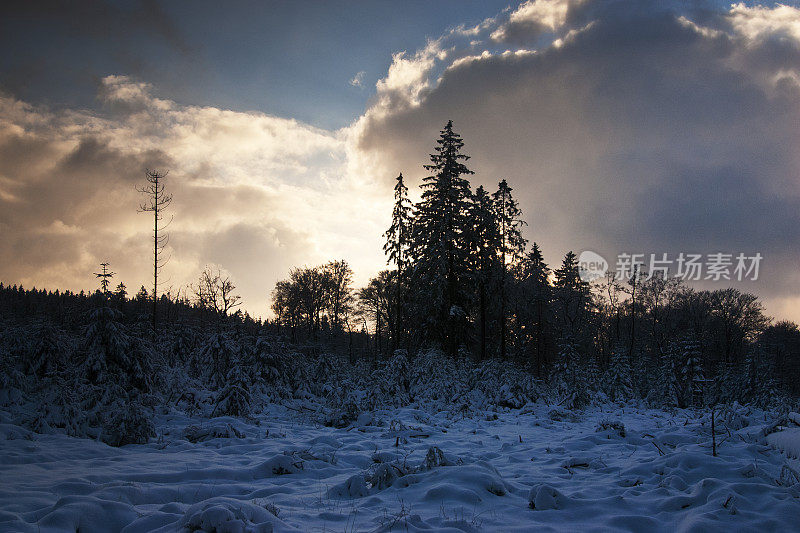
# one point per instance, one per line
(441, 245)
(618, 382)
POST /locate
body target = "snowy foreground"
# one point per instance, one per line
(410, 470)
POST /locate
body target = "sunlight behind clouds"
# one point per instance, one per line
(246, 185)
(600, 117)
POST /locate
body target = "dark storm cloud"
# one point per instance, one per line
(66, 191)
(59, 52)
(637, 132)
(100, 19)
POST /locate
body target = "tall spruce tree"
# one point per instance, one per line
(398, 242)
(440, 244)
(692, 372)
(571, 297)
(618, 375)
(536, 293)
(759, 383)
(512, 247)
(121, 292)
(486, 252)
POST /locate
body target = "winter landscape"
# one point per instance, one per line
(539, 274)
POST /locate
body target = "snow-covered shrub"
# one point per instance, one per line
(733, 417)
(435, 458)
(502, 384)
(59, 406)
(391, 380)
(572, 378)
(664, 388)
(759, 387)
(181, 344)
(11, 377)
(691, 372)
(234, 399)
(728, 384)
(213, 430)
(560, 414)
(325, 374)
(438, 378)
(789, 476)
(563, 370)
(112, 356)
(49, 350)
(105, 344)
(344, 408)
(272, 508)
(214, 358)
(353, 487)
(127, 422)
(223, 515)
(384, 475)
(617, 379)
(275, 366)
(113, 413)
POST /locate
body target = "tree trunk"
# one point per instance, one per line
(483, 321)
(155, 271)
(539, 339)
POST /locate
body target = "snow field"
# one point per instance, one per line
(535, 468)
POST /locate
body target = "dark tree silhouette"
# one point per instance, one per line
(536, 294)
(398, 242)
(441, 245)
(571, 298)
(215, 292)
(104, 276)
(315, 297)
(339, 278)
(121, 292)
(157, 201)
(486, 243)
(512, 247)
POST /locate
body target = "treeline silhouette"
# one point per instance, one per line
(469, 316)
(70, 310)
(465, 281)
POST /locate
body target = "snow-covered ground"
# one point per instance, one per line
(409, 470)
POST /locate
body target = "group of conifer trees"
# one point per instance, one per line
(455, 249)
(466, 282)
(464, 279)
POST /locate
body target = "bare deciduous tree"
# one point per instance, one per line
(339, 277)
(315, 296)
(215, 291)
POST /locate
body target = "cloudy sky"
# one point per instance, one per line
(623, 126)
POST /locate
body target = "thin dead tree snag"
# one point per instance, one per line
(157, 201)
